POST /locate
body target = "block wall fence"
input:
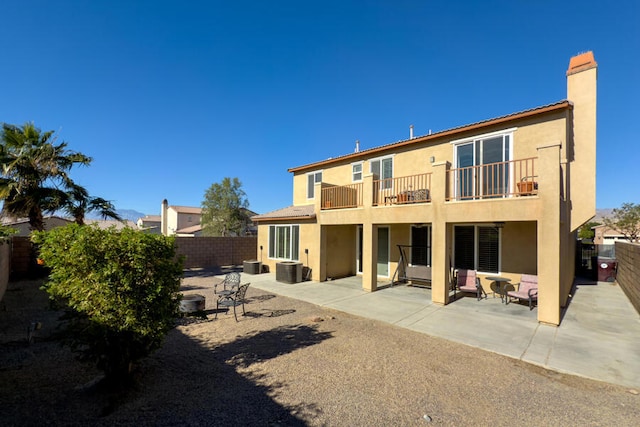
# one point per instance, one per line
(628, 275)
(17, 260)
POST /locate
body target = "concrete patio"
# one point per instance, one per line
(599, 337)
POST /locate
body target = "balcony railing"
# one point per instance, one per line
(342, 196)
(402, 190)
(494, 180)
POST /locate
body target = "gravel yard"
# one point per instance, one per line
(289, 363)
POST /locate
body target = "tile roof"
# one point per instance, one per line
(557, 106)
(190, 230)
(298, 212)
(186, 209)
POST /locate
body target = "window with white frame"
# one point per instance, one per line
(284, 242)
(356, 171)
(312, 179)
(493, 151)
(382, 169)
(477, 247)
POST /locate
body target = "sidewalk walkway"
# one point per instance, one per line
(599, 337)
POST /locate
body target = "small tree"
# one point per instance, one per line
(121, 288)
(586, 232)
(224, 208)
(626, 220)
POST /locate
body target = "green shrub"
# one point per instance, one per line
(121, 288)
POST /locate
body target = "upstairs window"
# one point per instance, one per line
(312, 179)
(382, 169)
(356, 172)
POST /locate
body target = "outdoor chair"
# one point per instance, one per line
(228, 285)
(527, 290)
(233, 300)
(468, 281)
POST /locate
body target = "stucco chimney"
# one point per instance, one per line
(163, 217)
(582, 77)
(582, 62)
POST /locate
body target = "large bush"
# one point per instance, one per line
(121, 288)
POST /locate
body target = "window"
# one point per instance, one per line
(312, 179)
(477, 247)
(284, 242)
(382, 169)
(420, 245)
(356, 172)
(491, 151)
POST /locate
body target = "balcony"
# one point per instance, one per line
(494, 180)
(516, 178)
(402, 190)
(341, 196)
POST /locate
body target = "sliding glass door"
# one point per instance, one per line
(483, 168)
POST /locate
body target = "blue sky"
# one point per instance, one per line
(169, 97)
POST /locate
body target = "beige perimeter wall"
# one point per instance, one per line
(198, 252)
(216, 251)
(628, 277)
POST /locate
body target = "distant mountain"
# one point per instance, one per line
(128, 214)
(602, 213)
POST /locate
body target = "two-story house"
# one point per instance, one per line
(504, 196)
(186, 221)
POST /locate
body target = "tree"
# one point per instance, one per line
(34, 171)
(626, 220)
(77, 203)
(120, 288)
(586, 232)
(224, 208)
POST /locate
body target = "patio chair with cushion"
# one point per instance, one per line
(233, 300)
(228, 285)
(527, 290)
(468, 281)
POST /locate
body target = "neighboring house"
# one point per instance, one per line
(504, 196)
(111, 223)
(185, 221)
(24, 228)
(606, 236)
(53, 221)
(150, 224)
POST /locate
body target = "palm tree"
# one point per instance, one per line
(77, 203)
(34, 168)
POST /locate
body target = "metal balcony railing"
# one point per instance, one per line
(342, 196)
(493, 180)
(402, 190)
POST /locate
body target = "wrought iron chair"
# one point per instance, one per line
(468, 281)
(229, 284)
(527, 290)
(233, 300)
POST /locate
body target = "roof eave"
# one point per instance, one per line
(562, 105)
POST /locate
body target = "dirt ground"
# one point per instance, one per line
(289, 363)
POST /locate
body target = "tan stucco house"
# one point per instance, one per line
(604, 235)
(186, 221)
(504, 196)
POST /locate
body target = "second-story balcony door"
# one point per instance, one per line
(483, 168)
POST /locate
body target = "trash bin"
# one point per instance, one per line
(607, 268)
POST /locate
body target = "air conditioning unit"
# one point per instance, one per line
(252, 267)
(289, 272)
